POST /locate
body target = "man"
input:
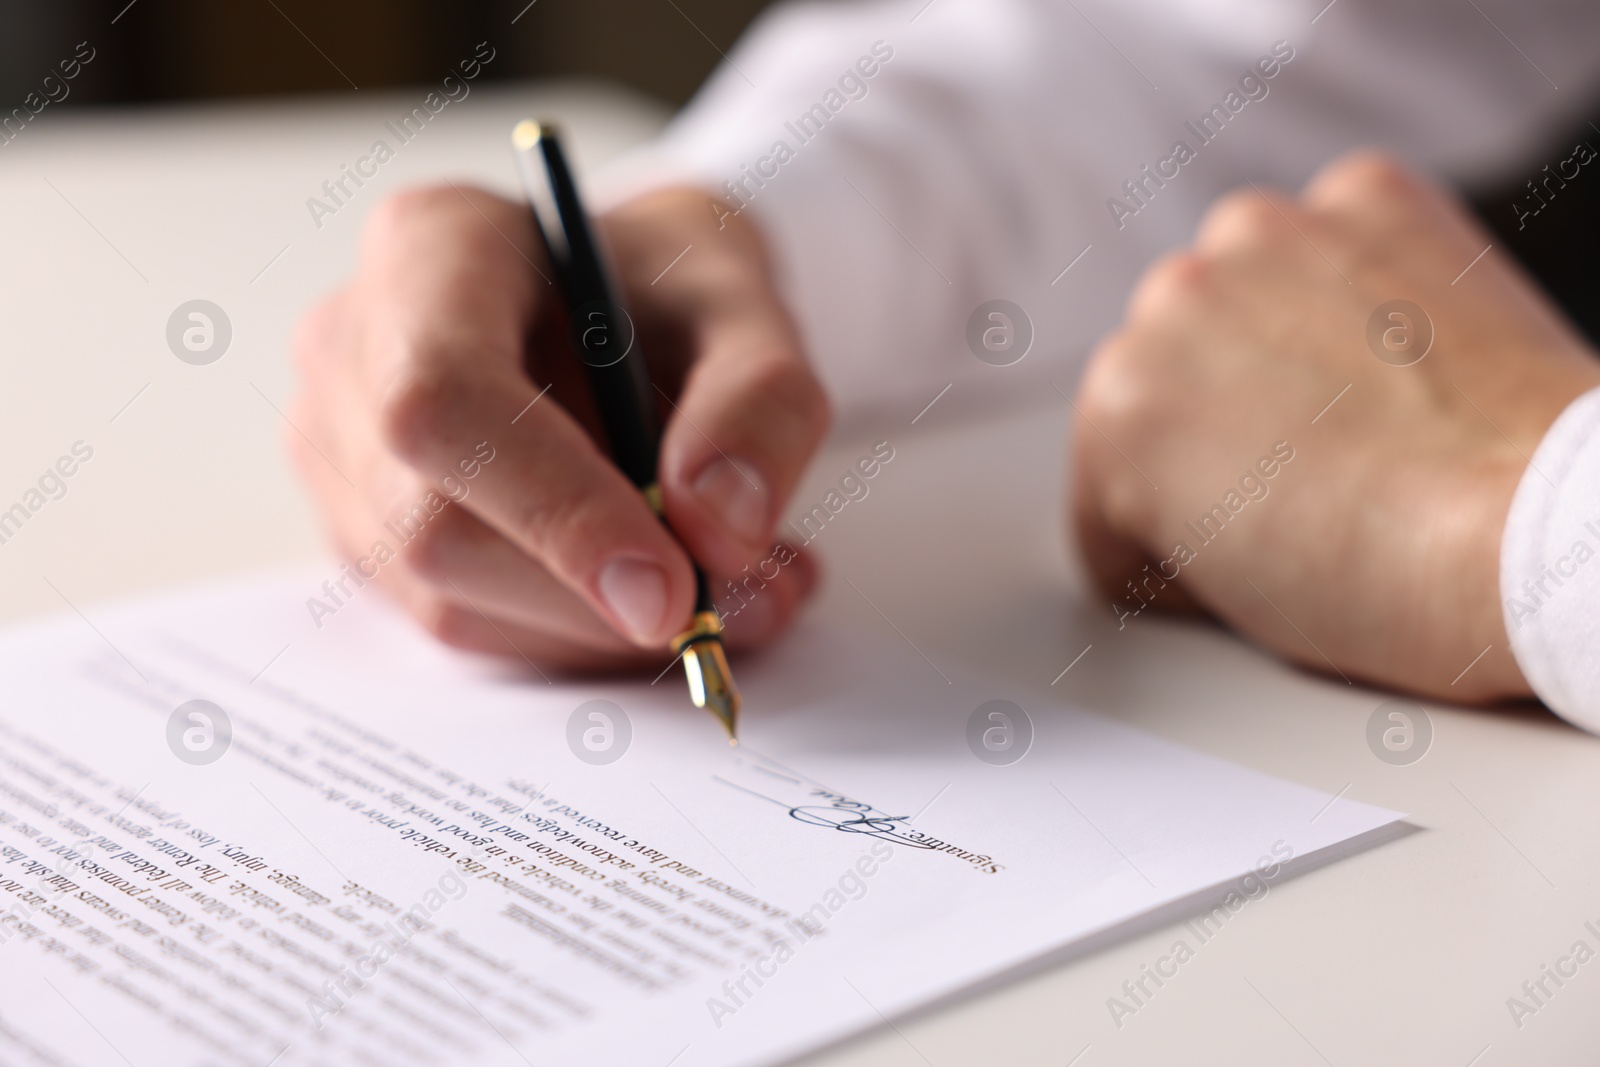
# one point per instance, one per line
(853, 185)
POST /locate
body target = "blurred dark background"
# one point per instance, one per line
(1552, 224)
(163, 50)
(172, 50)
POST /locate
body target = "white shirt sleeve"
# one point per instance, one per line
(938, 154)
(1549, 579)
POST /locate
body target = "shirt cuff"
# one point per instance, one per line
(1549, 580)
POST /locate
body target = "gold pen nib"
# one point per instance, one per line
(705, 663)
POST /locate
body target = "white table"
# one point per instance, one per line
(1405, 954)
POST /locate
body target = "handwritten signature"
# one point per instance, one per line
(855, 817)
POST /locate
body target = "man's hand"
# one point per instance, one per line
(1371, 549)
(511, 531)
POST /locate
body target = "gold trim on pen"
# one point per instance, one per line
(526, 134)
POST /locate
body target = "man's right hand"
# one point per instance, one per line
(418, 369)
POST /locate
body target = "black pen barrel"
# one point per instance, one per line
(603, 335)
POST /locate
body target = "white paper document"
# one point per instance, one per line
(384, 852)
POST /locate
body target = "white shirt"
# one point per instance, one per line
(1549, 577)
(911, 160)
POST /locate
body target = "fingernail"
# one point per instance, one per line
(737, 494)
(636, 593)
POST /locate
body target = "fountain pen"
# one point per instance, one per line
(603, 338)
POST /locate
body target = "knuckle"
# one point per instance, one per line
(416, 413)
(432, 553)
(1244, 217)
(399, 211)
(1172, 283)
(417, 224)
(1368, 174)
(1116, 393)
(799, 394)
(1373, 211)
(445, 621)
(563, 528)
(1117, 405)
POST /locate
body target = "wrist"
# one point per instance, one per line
(1498, 487)
(1494, 676)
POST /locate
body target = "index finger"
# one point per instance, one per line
(454, 292)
